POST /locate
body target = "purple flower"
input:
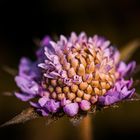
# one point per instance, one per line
(73, 74)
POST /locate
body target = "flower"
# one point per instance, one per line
(73, 75)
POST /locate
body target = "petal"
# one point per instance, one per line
(43, 112)
(94, 99)
(42, 101)
(52, 106)
(126, 70)
(71, 109)
(118, 93)
(45, 41)
(125, 93)
(85, 105)
(33, 104)
(108, 100)
(24, 97)
(130, 67)
(24, 67)
(27, 85)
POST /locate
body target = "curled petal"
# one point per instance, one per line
(33, 104)
(23, 96)
(27, 85)
(52, 106)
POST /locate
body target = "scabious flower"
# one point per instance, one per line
(74, 74)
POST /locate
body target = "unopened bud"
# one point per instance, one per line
(71, 72)
(61, 96)
(50, 88)
(80, 93)
(54, 82)
(54, 95)
(78, 99)
(103, 84)
(83, 61)
(71, 96)
(81, 70)
(90, 68)
(94, 99)
(103, 91)
(89, 89)
(74, 63)
(86, 96)
(83, 85)
(97, 91)
(74, 88)
(66, 89)
(58, 89)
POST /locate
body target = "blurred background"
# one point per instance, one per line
(22, 22)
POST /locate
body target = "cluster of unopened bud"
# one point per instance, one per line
(85, 74)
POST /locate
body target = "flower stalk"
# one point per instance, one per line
(86, 128)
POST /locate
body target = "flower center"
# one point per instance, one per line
(86, 71)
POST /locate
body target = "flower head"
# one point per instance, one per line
(74, 74)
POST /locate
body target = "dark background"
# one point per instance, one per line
(23, 21)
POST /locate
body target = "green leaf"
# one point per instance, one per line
(128, 50)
